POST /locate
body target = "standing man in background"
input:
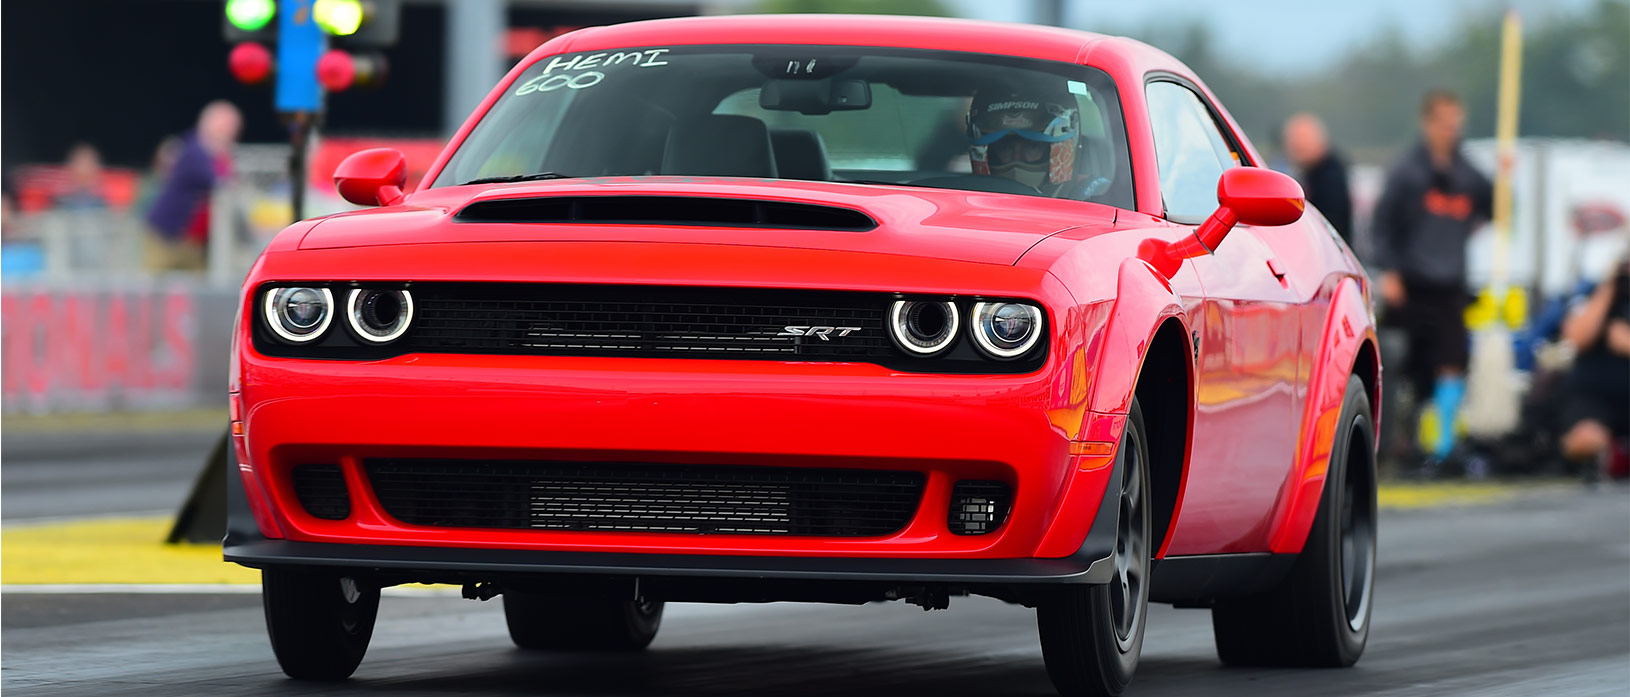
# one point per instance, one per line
(1320, 170)
(1432, 201)
(180, 214)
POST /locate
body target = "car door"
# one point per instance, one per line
(1245, 429)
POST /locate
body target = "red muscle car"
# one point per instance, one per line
(830, 309)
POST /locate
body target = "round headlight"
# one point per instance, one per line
(299, 315)
(1006, 330)
(923, 328)
(379, 316)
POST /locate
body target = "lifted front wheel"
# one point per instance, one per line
(1092, 636)
(319, 622)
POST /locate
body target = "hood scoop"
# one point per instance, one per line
(667, 210)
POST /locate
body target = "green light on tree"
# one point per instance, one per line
(250, 15)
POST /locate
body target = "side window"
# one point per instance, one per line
(1189, 150)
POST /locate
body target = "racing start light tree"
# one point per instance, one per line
(304, 65)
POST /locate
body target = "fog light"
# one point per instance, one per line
(979, 507)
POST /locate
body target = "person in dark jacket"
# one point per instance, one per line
(1432, 201)
(1320, 170)
(179, 216)
(1596, 408)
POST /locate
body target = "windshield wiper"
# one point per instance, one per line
(882, 182)
(535, 176)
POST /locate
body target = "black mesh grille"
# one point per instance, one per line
(646, 498)
(979, 507)
(321, 490)
(650, 322)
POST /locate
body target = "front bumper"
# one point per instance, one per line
(1089, 565)
(950, 428)
(1017, 429)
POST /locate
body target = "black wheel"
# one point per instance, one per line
(1320, 614)
(1091, 636)
(568, 623)
(319, 621)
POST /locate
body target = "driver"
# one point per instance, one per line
(1029, 135)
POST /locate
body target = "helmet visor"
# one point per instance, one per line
(1048, 124)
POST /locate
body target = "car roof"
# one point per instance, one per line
(1001, 38)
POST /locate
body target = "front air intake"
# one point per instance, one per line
(667, 210)
(979, 507)
(650, 498)
(321, 491)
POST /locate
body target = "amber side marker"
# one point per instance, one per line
(1091, 448)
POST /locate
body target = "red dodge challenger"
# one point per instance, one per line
(829, 309)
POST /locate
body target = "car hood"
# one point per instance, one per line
(914, 221)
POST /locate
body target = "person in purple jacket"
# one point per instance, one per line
(179, 217)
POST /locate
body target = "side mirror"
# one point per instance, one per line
(1248, 195)
(372, 177)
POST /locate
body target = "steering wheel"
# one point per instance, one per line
(978, 182)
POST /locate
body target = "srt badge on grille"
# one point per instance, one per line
(824, 332)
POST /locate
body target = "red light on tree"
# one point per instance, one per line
(336, 71)
(250, 63)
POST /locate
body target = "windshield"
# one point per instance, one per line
(867, 115)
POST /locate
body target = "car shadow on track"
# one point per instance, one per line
(785, 671)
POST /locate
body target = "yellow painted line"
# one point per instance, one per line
(110, 550)
(130, 551)
(1436, 494)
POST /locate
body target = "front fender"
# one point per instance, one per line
(1347, 328)
(1144, 299)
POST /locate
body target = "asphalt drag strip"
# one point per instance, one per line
(1527, 594)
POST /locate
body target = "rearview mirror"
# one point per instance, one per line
(1245, 195)
(372, 177)
(815, 97)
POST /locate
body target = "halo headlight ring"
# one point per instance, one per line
(363, 314)
(990, 340)
(907, 320)
(287, 328)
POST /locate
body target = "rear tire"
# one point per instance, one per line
(545, 622)
(1320, 614)
(1092, 636)
(319, 621)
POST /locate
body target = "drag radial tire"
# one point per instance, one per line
(1320, 614)
(1092, 635)
(571, 623)
(319, 621)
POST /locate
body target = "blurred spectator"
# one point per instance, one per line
(8, 205)
(152, 184)
(1431, 203)
(20, 253)
(1321, 171)
(1596, 407)
(83, 192)
(180, 215)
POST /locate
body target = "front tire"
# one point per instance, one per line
(539, 621)
(1320, 614)
(319, 622)
(1092, 636)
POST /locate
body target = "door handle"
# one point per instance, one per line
(1274, 268)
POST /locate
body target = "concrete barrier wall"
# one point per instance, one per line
(117, 345)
